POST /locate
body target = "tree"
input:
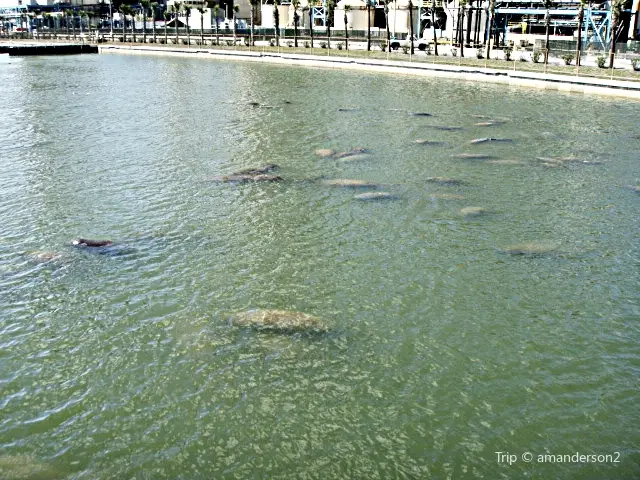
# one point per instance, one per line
(347, 8)
(434, 19)
(175, 9)
(463, 6)
(492, 11)
(276, 20)
(145, 4)
(369, 25)
(216, 15)
(547, 21)
(616, 27)
(187, 14)
(254, 4)
(411, 27)
(331, 5)
(236, 9)
(202, 11)
(167, 15)
(311, 24)
(296, 6)
(125, 10)
(82, 14)
(67, 13)
(386, 20)
(580, 23)
(154, 14)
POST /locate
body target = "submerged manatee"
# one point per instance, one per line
(428, 143)
(561, 161)
(246, 178)
(634, 188)
(505, 162)
(446, 181)
(325, 152)
(529, 249)
(473, 211)
(270, 167)
(351, 153)
(489, 123)
(25, 467)
(489, 139)
(348, 183)
(280, 321)
(375, 196)
(446, 128)
(39, 256)
(446, 196)
(472, 156)
(420, 114)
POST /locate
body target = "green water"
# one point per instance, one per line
(442, 351)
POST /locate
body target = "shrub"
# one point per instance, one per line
(161, 41)
(536, 56)
(323, 44)
(340, 46)
(635, 64)
(290, 44)
(307, 44)
(480, 53)
(507, 53)
(454, 52)
(272, 42)
(405, 49)
(183, 41)
(229, 43)
(568, 58)
(427, 49)
(601, 60)
(383, 45)
(523, 58)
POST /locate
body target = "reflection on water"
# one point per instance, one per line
(511, 327)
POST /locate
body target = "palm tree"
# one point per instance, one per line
(296, 5)
(187, 14)
(254, 4)
(216, 14)
(616, 27)
(580, 22)
(386, 20)
(167, 15)
(125, 10)
(145, 4)
(154, 14)
(411, 27)
(132, 13)
(433, 25)
(311, 24)
(347, 8)
(492, 11)
(369, 24)
(202, 11)
(175, 8)
(331, 5)
(547, 21)
(236, 9)
(83, 14)
(276, 20)
(462, 7)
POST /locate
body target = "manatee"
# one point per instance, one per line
(634, 188)
(84, 242)
(375, 196)
(420, 114)
(472, 156)
(473, 211)
(570, 159)
(280, 321)
(445, 181)
(529, 249)
(254, 104)
(428, 142)
(347, 109)
(38, 256)
(246, 178)
(446, 196)
(270, 167)
(345, 182)
(505, 162)
(353, 158)
(489, 123)
(351, 153)
(25, 467)
(325, 152)
(446, 128)
(489, 139)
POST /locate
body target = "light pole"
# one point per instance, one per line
(111, 20)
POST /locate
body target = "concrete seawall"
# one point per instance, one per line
(47, 49)
(564, 83)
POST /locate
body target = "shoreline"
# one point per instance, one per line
(563, 83)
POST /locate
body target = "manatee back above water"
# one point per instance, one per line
(285, 321)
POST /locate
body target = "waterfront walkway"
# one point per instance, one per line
(549, 81)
